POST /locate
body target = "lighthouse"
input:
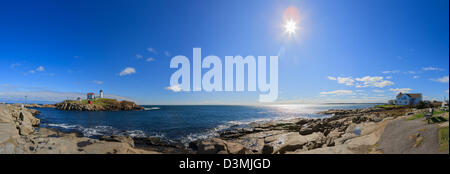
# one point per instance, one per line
(101, 93)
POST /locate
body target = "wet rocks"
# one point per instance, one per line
(115, 138)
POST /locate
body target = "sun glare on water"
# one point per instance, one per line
(290, 27)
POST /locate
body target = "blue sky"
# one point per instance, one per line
(343, 51)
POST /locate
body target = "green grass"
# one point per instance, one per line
(417, 116)
(443, 139)
(421, 115)
(98, 101)
(389, 106)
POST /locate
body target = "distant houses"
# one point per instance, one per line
(406, 99)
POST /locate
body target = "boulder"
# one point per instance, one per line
(209, 146)
(216, 146)
(290, 141)
(306, 131)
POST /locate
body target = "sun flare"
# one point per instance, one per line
(290, 27)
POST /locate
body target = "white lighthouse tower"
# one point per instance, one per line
(101, 93)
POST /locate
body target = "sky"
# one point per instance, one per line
(342, 51)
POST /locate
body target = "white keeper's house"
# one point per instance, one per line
(408, 99)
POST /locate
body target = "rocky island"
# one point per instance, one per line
(101, 104)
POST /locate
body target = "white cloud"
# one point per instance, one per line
(32, 71)
(40, 68)
(446, 91)
(442, 79)
(98, 82)
(331, 78)
(175, 88)
(391, 72)
(152, 50)
(377, 91)
(367, 81)
(338, 92)
(416, 77)
(432, 69)
(375, 81)
(138, 56)
(128, 71)
(345, 80)
(402, 90)
(150, 59)
(388, 77)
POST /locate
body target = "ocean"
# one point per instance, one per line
(178, 123)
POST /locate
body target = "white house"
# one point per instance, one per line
(408, 99)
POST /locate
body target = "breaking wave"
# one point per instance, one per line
(98, 130)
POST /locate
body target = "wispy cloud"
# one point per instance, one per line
(338, 92)
(127, 71)
(432, 69)
(167, 53)
(138, 56)
(375, 81)
(442, 79)
(377, 91)
(98, 82)
(367, 81)
(416, 77)
(152, 50)
(150, 59)
(343, 80)
(14, 65)
(40, 69)
(391, 72)
(175, 88)
(402, 90)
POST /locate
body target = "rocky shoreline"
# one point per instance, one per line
(345, 131)
(20, 134)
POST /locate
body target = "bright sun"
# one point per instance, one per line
(290, 26)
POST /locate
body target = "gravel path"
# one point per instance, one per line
(409, 137)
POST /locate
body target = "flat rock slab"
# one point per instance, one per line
(402, 137)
